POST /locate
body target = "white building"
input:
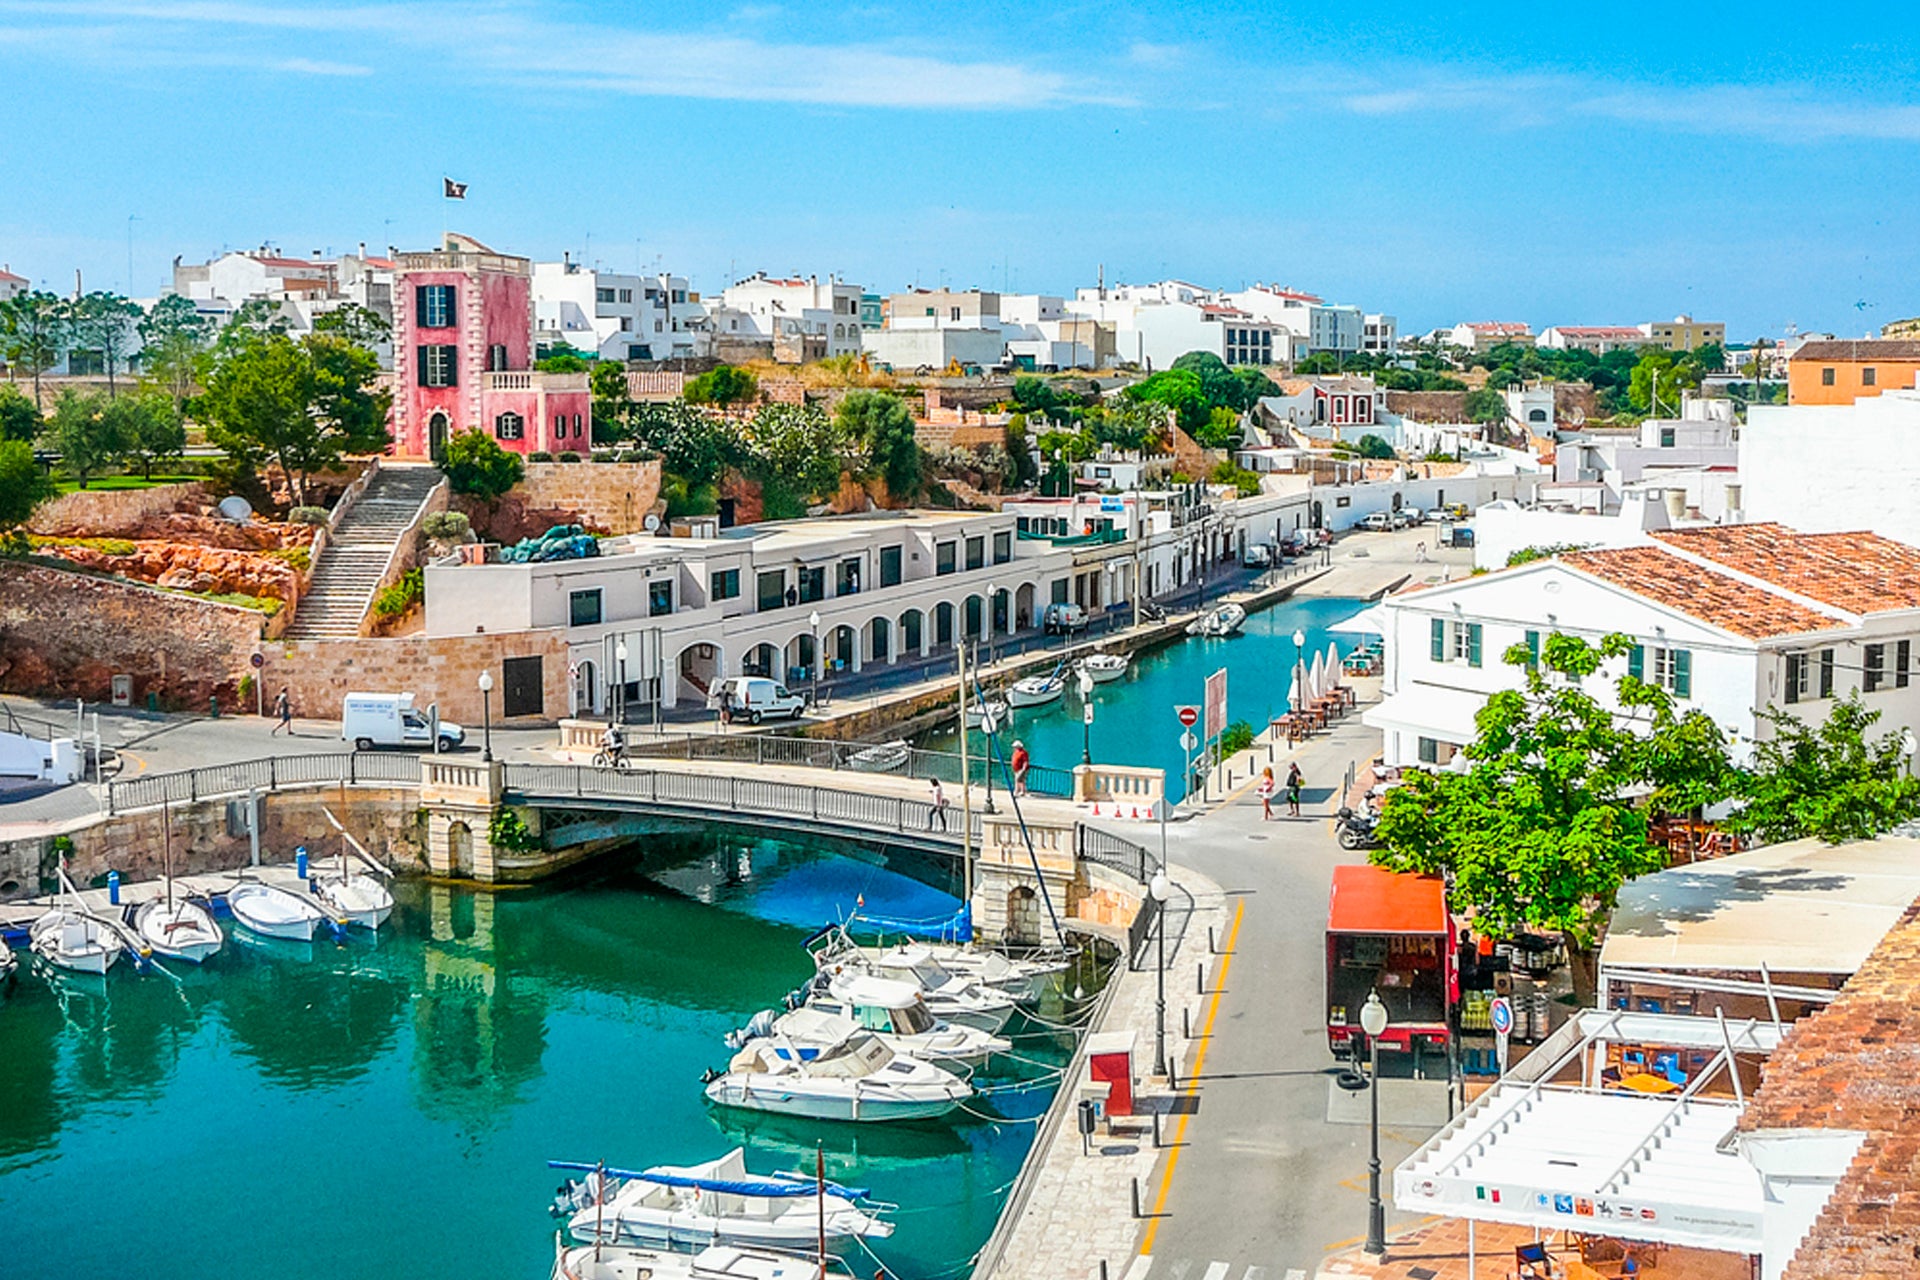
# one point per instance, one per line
(1730, 620)
(1476, 336)
(11, 285)
(1379, 334)
(804, 318)
(1701, 437)
(1315, 324)
(1597, 338)
(616, 315)
(302, 289)
(1825, 468)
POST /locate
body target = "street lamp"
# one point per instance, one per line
(813, 620)
(620, 703)
(1373, 1021)
(1159, 888)
(486, 714)
(1908, 745)
(1086, 716)
(1299, 665)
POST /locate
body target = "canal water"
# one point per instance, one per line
(1134, 719)
(387, 1108)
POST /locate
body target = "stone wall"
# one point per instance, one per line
(94, 512)
(67, 634)
(444, 669)
(1428, 406)
(606, 497)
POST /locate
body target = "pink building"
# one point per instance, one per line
(463, 357)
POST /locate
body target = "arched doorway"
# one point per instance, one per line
(800, 658)
(842, 650)
(1001, 602)
(976, 613)
(943, 623)
(761, 660)
(699, 667)
(437, 429)
(879, 641)
(586, 687)
(1023, 917)
(1023, 607)
(913, 625)
(460, 850)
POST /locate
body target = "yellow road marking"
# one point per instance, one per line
(1193, 1076)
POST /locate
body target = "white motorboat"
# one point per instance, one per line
(716, 1262)
(70, 938)
(894, 1011)
(1103, 667)
(354, 896)
(178, 928)
(718, 1202)
(978, 713)
(883, 757)
(949, 996)
(858, 1079)
(273, 912)
(9, 965)
(1027, 979)
(1036, 691)
(1219, 622)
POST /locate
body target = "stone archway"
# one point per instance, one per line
(1023, 916)
(762, 660)
(460, 850)
(943, 623)
(976, 610)
(1023, 607)
(913, 631)
(841, 649)
(880, 640)
(697, 668)
(586, 688)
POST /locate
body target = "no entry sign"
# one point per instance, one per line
(1189, 716)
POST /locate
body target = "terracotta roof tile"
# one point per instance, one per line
(1863, 349)
(1856, 1065)
(1859, 572)
(1713, 598)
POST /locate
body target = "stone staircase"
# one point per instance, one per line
(341, 592)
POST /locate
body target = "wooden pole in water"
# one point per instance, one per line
(820, 1181)
(599, 1206)
(166, 861)
(966, 787)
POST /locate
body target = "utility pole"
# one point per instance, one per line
(966, 784)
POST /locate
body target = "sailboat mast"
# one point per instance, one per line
(820, 1184)
(966, 784)
(166, 861)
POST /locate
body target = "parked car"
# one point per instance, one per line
(1458, 510)
(1377, 522)
(1438, 516)
(757, 698)
(1063, 620)
(1258, 556)
(1400, 518)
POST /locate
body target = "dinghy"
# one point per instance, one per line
(1102, 667)
(1026, 979)
(717, 1262)
(1218, 623)
(68, 936)
(718, 1202)
(884, 757)
(1036, 691)
(273, 912)
(978, 713)
(355, 896)
(176, 927)
(859, 1079)
(893, 1011)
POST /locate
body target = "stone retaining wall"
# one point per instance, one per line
(444, 669)
(93, 512)
(606, 497)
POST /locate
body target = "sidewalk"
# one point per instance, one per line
(1437, 1249)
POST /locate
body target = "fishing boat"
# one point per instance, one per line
(355, 896)
(858, 1079)
(978, 713)
(1036, 691)
(9, 965)
(1219, 622)
(894, 1011)
(68, 936)
(716, 1262)
(883, 757)
(1027, 979)
(949, 996)
(718, 1202)
(1102, 668)
(177, 927)
(273, 912)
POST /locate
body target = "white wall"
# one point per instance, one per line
(1344, 506)
(1828, 468)
(1501, 529)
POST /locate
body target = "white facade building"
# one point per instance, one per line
(1379, 334)
(1701, 437)
(1830, 467)
(1476, 336)
(1730, 620)
(1597, 338)
(616, 315)
(789, 311)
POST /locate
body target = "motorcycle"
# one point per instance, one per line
(1357, 830)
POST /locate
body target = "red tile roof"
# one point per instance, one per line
(1856, 1065)
(8, 275)
(1713, 598)
(288, 264)
(1598, 331)
(1859, 572)
(1497, 326)
(1846, 351)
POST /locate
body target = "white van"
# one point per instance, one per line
(757, 698)
(370, 720)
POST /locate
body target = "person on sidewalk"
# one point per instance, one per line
(1294, 783)
(1021, 763)
(1265, 791)
(282, 713)
(937, 805)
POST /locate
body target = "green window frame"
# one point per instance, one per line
(724, 584)
(890, 566)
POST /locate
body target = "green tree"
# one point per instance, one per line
(563, 357)
(883, 429)
(1222, 429)
(1179, 390)
(1657, 381)
(801, 446)
(173, 338)
(1020, 451)
(1060, 451)
(150, 430)
(612, 405)
(362, 326)
(1372, 446)
(476, 465)
(1034, 394)
(104, 324)
(692, 444)
(347, 397)
(1217, 382)
(1544, 827)
(1485, 405)
(1253, 385)
(34, 327)
(86, 431)
(1828, 780)
(19, 420)
(1138, 426)
(723, 384)
(23, 485)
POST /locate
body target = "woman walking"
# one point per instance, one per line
(936, 805)
(1294, 783)
(1265, 791)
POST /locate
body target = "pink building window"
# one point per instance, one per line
(510, 426)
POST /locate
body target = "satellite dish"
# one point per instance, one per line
(236, 509)
(651, 523)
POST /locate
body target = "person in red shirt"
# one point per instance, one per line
(1021, 761)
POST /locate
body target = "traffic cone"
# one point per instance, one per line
(1096, 808)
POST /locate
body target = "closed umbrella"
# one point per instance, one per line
(1333, 665)
(1316, 679)
(1295, 695)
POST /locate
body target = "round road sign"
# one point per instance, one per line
(259, 660)
(1189, 716)
(1502, 1014)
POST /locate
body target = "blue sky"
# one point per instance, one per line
(1589, 163)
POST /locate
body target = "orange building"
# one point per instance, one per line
(1842, 372)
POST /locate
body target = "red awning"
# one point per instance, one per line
(1369, 899)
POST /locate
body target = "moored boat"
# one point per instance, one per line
(949, 996)
(180, 929)
(1103, 667)
(893, 1011)
(1036, 691)
(1219, 622)
(860, 1079)
(72, 939)
(978, 713)
(1027, 979)
(273, 912)
(883, 757)
(716, 1262)
(356, 897)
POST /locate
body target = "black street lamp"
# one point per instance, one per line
(1159, 888)
(1373, 1021)
(486, 715)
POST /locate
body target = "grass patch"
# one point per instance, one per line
(259, 604)
(99, 484)
(298, 557)
(105, 546)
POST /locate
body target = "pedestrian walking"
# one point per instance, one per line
(937, 805)
(282, 712)
(1021, 763)
(1294, 783)
(726, 707)
(1265, 791)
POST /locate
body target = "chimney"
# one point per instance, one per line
(363, 248)
(1676, 503)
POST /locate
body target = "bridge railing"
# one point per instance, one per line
(859, 757)
(355, 768)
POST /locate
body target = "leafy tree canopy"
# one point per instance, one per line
(723, 384)
(475, 464)
(1828, 780)
(1179, 390)
(692, 444)
(88, 433)
(1485, 405)
(612, 406)
(883, 428)
(802, 446)
(173, 337)
(19, 420)
(563, 357)
(23, 485)
(362, 326)
(34, 329)
(1372, 446)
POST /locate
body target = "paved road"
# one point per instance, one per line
(1264, 1180)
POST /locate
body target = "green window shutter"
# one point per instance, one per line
(1826, 673)
(1637, 662)
(1792, 691)
(1473, 644)
(1439, 639)
(420, 377)
(1533, 648)
(1683, 673)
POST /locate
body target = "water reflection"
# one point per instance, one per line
(311, 1022)
(479, 1029)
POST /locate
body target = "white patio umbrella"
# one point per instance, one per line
(1334, 671)
(1316, 678)
(1296, 695)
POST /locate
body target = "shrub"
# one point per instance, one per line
(568, 456)
(307, 515)
(296, 557)
(446, 526)
(509, 831)
(540, 455)
(260, 604)
(603, 455)
(634, 455)
(397, 600)
(105, 546)
(1237, 736)
(476, 465)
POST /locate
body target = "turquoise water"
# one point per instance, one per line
(1133, 717)
(387, 1108)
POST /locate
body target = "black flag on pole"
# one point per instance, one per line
(455, 190)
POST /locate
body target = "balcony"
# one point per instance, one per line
(529, 380)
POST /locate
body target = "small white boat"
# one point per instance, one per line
(273, 912)
(884, 757)
(859, 1079)
(1219, 622)
(354, 896)
(894, 1011)
(718, 1202)
(978, 712)
(69, 938)
(949, 996)
(1026, 979)
(1036, 691)
(181, 929)
(1103, 667)
(716, 1262)
(9, 965)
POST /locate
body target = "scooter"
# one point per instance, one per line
(1357, 830)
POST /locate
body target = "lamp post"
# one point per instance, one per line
(1159, 888)
(1299, 665)
(1908, 745)
(813, 620)
(486, 715)
(1086, 717)
(1373, 1021)
(620, 660)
